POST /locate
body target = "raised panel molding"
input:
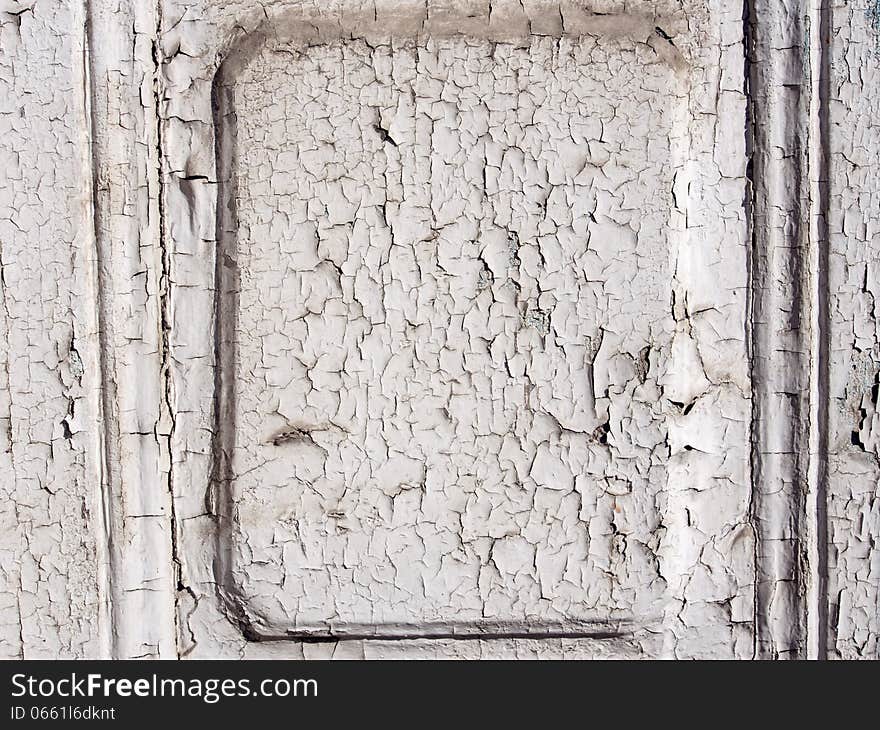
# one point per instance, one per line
(547, 434)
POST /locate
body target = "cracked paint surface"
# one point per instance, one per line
(388, 322)
(854, 236)
(49, 544)
(449, 336)
(481, 329)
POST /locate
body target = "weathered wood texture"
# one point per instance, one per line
(851, 167)
(399, 445)
(52, 539)
(125, 152)
(330, 331)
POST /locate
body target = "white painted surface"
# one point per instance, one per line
(51, 541)
(854, 360)
(388, 334)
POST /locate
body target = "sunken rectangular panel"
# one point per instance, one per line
(453, 271)
(480, 362)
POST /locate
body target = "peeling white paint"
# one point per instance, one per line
(853, 518)
(438, 329)
(482, 327)
(51, 548)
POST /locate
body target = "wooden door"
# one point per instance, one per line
(445, 329)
